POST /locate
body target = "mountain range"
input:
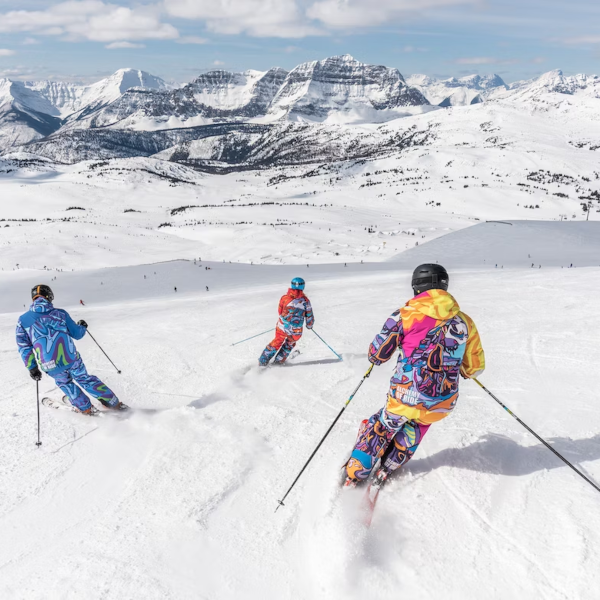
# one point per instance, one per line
(246, 118)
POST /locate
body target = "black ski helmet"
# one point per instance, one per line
(42, 291)
(429, 277)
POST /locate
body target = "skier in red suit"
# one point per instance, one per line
(294, 309)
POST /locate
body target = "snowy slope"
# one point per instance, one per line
(412, 180)
(183, 493)
(24, 115)
(522, 244)
(554, 82)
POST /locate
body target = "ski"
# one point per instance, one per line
(64, 404)
(292, 356)
(371, 495)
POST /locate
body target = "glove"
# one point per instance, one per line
(82, 323)
(35, 373)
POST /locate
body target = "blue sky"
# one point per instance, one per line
(177, 39)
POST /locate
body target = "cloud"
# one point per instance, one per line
(119, 45)
(485, 60)
(218, 63)
(6, 52)
(192, 39)
(18, 72)
(291, 49)
(30, 41)
(93, 20)
(359, 14)
(584, 39)
(410, 49)
(258, 18)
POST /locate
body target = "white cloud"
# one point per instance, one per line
(358, 14)
(218, 63)
(18, 72)
(92, 20)
(410, 49)
(119, 45)
(30, 41)
(6, 52)
(258, 18)
(192, 39)
(584, 39)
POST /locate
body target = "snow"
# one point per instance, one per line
(177, 500)
(225, 90)
(457, 92)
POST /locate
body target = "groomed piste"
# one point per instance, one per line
(177, 501)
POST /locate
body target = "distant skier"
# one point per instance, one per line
(175, 289)
(82, 303)
(437, 343)
(294, 309)
(207, 288)
(45, 339)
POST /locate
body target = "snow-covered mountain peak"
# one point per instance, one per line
(125, 79)
(482, 82)
(471, 89)
(342, 84)
(555, 82)
(109, 89)
(227, 91)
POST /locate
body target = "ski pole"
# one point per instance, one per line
(537, 436)
(325, 436)
(37, 391)
(254, 336)
(107, 356)
(327, 344)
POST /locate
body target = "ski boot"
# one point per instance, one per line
(380, 478)
(118, 406)
(350, 483)
(92, 411)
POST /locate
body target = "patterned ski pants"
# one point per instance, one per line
(284, 343)
(77, 375)
(390, 437)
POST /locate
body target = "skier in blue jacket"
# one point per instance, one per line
(45, 339)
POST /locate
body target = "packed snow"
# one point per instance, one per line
(177, 499)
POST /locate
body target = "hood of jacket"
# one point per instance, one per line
(41, 305)
(437, 304)
(295, 293)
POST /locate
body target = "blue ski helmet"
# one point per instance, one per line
(298, 283)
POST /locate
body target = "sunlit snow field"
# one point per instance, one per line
(177, 500)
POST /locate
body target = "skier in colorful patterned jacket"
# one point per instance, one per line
(294, 309)
(437, 344)
(45, 340)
